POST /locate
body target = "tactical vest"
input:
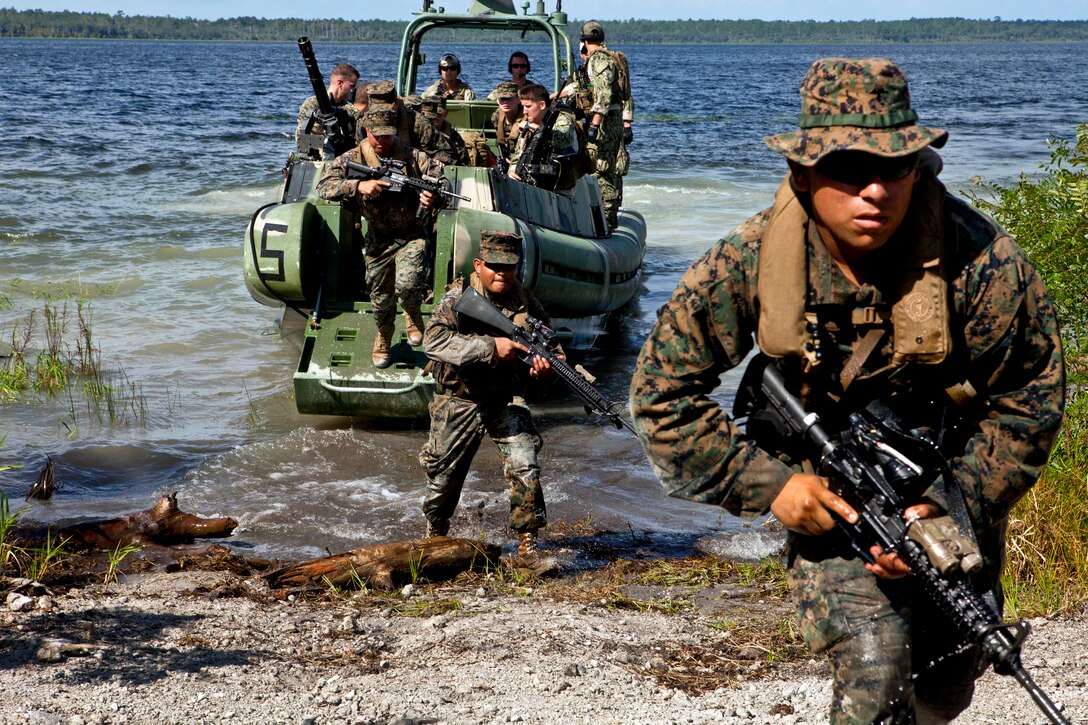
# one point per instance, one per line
(922, 354)
(621, 84)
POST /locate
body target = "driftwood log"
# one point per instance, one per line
(385, 566)
(164, 524)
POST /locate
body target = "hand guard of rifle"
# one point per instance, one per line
(541, 341)
(867, 468)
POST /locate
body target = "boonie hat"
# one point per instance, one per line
(500, 247)
(379, 121)
(382, 91)
(855, 105)
(593, 32)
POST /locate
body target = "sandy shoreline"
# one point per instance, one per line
(202, 647)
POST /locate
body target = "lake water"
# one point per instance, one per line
(130, 170)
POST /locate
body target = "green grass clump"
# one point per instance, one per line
(1047, 569)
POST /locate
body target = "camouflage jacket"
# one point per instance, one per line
(463, 92)
(603, 77)
(1005, 342)
(464, 350)
(391, 212)
(415, 131)
(506, 132)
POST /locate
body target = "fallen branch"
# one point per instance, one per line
(164, 524)
(386, 565)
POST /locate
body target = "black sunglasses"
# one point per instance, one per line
(519, 65)
(449, 67)
(858, 168)
(499, 268)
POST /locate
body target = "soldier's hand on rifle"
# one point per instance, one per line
(426, 198)
(541, 368)
(507, 349)
(514, 175)
(806, 505)
(888, 564)
(370, 188)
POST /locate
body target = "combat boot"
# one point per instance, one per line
(527, 548)
(380, 355)
(413, 326)
(437, 527)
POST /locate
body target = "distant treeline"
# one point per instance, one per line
(48, 24)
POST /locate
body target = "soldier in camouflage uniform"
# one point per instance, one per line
(449, 84)
(563, 142)
(605, 129)
(413, 130)
(518, 67)
(342, 80)
(865, 281)
(506, 118)
(479, 380)
(395, 241)
(433, 108)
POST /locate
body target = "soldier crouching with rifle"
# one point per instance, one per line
(883, 302)
(395, 243)
(479, 380)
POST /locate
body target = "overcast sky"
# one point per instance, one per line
(651, 9)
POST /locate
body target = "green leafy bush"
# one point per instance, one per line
(1047, 212)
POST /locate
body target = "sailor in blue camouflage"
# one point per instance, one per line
(862, 237)
(395, 240)
(479, 383)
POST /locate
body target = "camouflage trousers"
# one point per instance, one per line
(605, 153)
(889, 647)
(394, 270)
(457, 427)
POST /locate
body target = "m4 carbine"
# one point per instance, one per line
(541, 341)
(536, 166)
(867, 467)
(337, 139)
(392, 172)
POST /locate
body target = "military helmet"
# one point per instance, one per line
(449, 60)
(499, 247)
(593, 32)
(855, 105)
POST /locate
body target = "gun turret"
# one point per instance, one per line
(336, 139)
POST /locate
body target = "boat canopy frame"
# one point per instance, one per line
(490, 15)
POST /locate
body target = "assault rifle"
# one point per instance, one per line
(337, 140)
(392, 172)
(540, 340)
(869, 466)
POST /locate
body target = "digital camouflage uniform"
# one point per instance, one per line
(429, 108)
(461, 93)
(1003, 339)
(506, 131)
(395, 244)
(476, 394)
(607, 100)
(413, 129)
